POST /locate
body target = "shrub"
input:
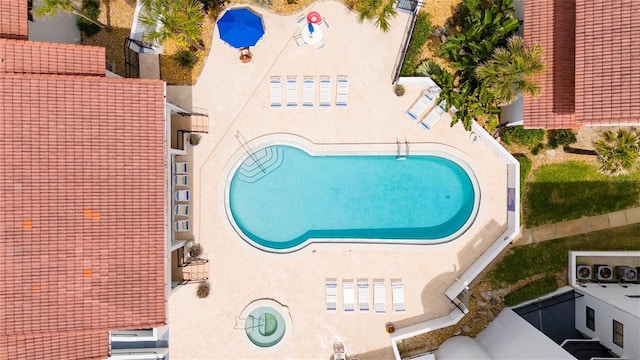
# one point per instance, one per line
(521, 136)
(525, 170)
(419, 37)
(195, 250)
(203, 290)
(563, 137)
(398, 90)
(194, 139)
(186, 58)
(535, 150)
(91, 8)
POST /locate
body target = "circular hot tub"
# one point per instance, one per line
(266, 323)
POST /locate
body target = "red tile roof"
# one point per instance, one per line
(13, 19)
(608, 61)
(554, 105)
(83, 203)
(592, 54)
(33, 57)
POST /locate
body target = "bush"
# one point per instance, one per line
(535, 150)
(194, 139)
(398, 90)
(91, 8)
(521, 136)
(563, 137)
(186, 58)
(195, 250)
(203, 290)
(421, 33)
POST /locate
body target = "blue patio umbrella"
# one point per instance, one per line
(240, 27)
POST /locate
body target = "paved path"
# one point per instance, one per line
(578, 226)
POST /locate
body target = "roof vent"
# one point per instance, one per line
(583, 272)
(626, 273)
(603, 272)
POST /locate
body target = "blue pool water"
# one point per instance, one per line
(281, 197)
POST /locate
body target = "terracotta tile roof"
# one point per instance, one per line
(83, 206)
(592, 54)
(13, 19)
(50, 58)
(550, 24)
(608, 61)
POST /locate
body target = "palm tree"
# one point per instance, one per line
(508, 73)
(51, 7)
(179, 20)
(381, 11)
(618, 151)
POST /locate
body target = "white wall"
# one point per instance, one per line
(604, 315)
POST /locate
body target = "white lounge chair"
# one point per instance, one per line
(292, 91)
(324, 25)
(331, 296)
(181, 210)
(180, 168)
(397, 293)
(325, 91)
(182, 195)
(433, 116)
(308, 91)
(348, 296)
(180, 180)
(364, 302)
(418, 108)
(301, 21)
(276, 92)
(320, 46)
(342, 90)
(181, 226)
(379, 296)
(299, 41)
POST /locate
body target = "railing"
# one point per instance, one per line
(405, 42)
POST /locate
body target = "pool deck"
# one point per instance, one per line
(236, 96)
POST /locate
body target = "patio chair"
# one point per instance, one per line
(292, 91)
(433, 116)
(275, 87)
(364, 301)
(320, 46)
(342, 90)
(379, 296)
(348, 296)
(325, 91)
(324, 25)
(181, 226)
(182, 195)
(418, 108)
(301, 21)
(397, 294)
(331, 295)
(299, 41)
(181, 210)
(180, 180)
(180, 168)
(308, 91)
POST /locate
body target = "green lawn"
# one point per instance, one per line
(532, 291)
(570, 190)
(552, 256)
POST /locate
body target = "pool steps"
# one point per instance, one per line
(260, 164)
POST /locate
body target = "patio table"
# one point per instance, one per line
(310, 38)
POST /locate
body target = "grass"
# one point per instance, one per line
(570, 190)
(532, 291)
(523, 262)
(421, 33)
(525, 170)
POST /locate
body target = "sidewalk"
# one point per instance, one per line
(578, 226)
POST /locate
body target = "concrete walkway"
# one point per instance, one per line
(578, 226)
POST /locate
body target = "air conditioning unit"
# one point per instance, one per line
(583, 272)
(602, 272)
(626, 273)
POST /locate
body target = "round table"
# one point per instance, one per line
(310, 38)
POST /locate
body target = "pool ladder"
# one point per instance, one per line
(247, 149)
(399, 155)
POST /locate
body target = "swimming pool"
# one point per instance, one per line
(281, 198)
